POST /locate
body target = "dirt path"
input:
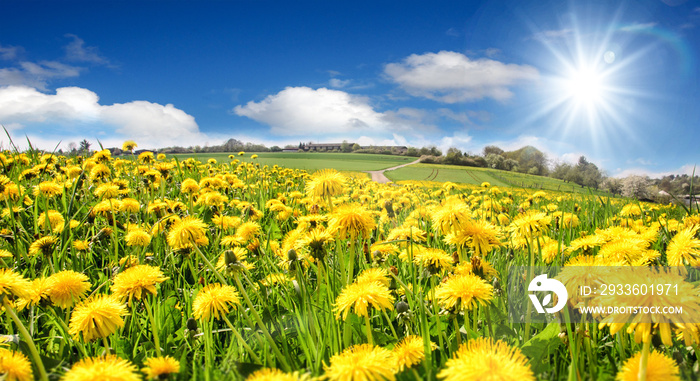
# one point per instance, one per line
(379, 177)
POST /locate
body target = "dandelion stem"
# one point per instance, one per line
(242, 341)
(458, 334)
(154, 325)
(27, 338)
(370, 340)
(258, 320)
(642, 375)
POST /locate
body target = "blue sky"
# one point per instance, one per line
(616, 82)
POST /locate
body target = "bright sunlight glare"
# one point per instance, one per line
(585, 86)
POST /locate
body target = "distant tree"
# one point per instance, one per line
(84, 146)
(275, 149)
(412, 151)
(492, 150)
(453, 156)
(561, 170)
(510, 165)
(356, 147)
(636, 187)
(345, 146)
(612, 185)
(495, 161)
(434, 151)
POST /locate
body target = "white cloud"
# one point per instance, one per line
(461, 117)
(338, 83)
(36, 74)
(8, 52)
(686, 169)
(74, 112)
(460, 141)
(77, 51)
(22, 104)
(452, 77)
(50, 69)
(638, 26)
(303, 111)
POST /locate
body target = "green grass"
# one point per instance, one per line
(474, 175)
(443, 173)
(312, 161)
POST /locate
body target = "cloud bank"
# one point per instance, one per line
(303, 111)
(452, 77)
(74, 112)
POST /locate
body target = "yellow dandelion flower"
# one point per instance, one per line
(108, 368)
(159, 367)
(479, 235)
(316, 240)
(186, 232)
(325, 183)
(407, 233)
(137, 237)
(485, 359)
(130, 260)
(99, 172)
(587, 242)
(81, 245)
(129, 145)
(146, 157)
(189, 186)
(374, 275)
(530, 224)
(684, 248)
(659, 367)
(434, 260)
(225, 222)
(48, 189)
(463, 291)
(452, 213)
(271, 374)
(410, 351)
(14, 366)
(14, 284)
(351, 221)
(53, 219)
(43, 245)
(248, 231)
(631, 210)
(67, 287)
(97, 317)
(360, 296)
(214, 300)
(107, 191)
(39, 290)
(132, 282)
(362, 362)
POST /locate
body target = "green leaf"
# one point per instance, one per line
(541, 346)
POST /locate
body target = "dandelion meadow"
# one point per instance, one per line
(147, 267)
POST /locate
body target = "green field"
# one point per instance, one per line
(443, 173)
(473, 175)
(312, 161)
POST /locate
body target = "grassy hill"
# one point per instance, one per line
(312, 161)
(475, 175)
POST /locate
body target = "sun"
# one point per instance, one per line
(585, 86)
